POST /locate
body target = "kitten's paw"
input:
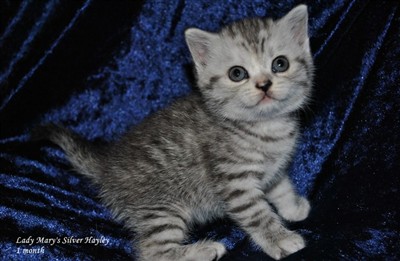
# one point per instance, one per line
(296, 212)
(211, 251)
(291, 244)
(288, 245)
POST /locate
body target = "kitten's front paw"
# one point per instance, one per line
(288, 245)
(291, 244)
(296, 212)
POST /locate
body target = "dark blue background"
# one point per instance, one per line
(99, 67)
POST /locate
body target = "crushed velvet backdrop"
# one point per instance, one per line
(99, 67)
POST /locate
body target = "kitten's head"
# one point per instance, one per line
(256, 68)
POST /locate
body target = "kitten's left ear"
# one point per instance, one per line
(200, 43)
(296, 22)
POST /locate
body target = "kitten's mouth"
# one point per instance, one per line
(267, 98)
(264, 100)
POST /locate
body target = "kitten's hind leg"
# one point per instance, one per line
(206, 250)
(290, 205)
(161, 238)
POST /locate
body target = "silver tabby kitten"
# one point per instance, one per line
(222, 152)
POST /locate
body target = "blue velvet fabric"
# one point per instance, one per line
(100, 67)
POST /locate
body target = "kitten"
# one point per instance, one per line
(220, 152)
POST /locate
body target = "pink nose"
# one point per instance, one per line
(264, 86)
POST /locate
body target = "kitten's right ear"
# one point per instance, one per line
(200, 43)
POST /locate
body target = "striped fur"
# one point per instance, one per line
(221, 153)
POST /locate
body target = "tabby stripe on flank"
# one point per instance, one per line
(153, 216)
(162, 210)
(244, 175)
(154, 208)
(158, 243)
(161, 228)
(160, 252)
(167, 217)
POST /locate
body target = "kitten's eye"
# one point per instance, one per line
(237, 73)
(280, 64)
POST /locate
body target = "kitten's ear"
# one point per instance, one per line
(200, 43)
(296, 21)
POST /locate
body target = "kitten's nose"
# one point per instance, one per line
(264, 86)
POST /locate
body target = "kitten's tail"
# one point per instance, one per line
(84, 156)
